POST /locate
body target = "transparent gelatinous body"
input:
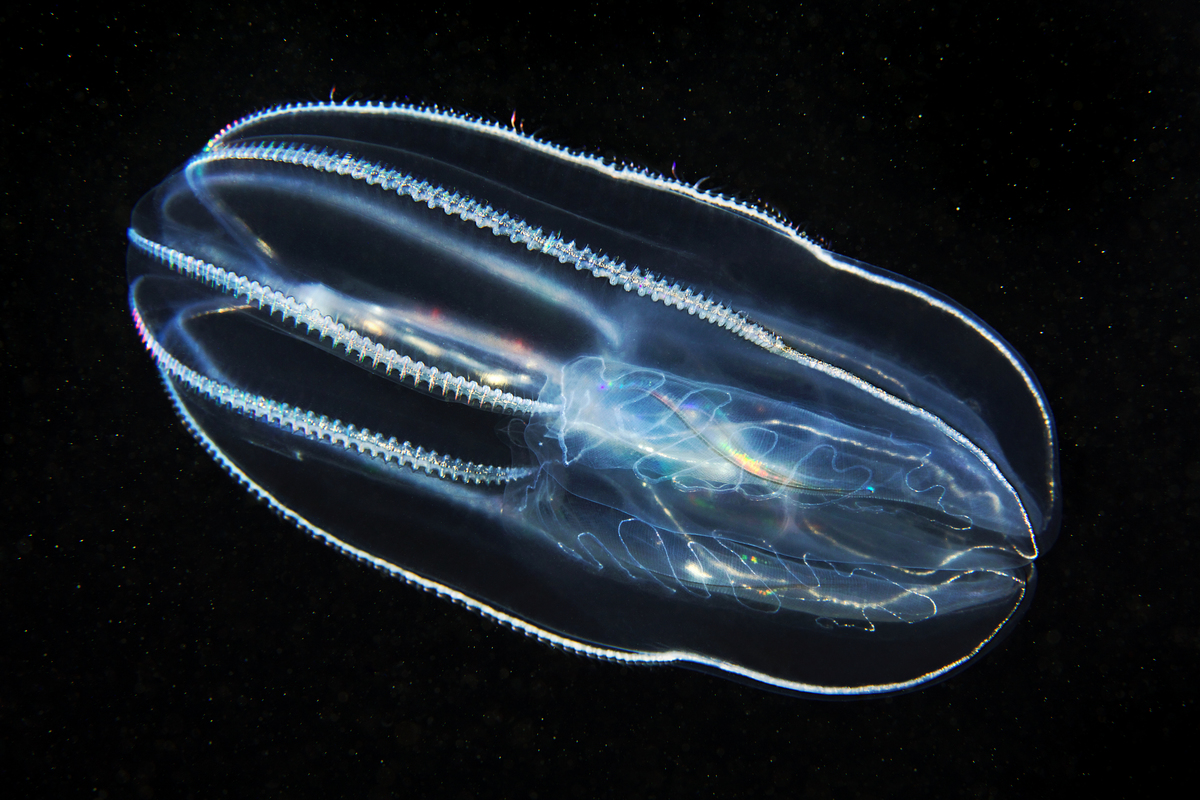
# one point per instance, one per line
(633, 419)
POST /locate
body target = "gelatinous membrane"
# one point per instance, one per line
(633, 419)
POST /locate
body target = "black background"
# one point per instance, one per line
(164, 635)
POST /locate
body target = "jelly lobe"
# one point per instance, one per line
(705, 488)
(777, 464)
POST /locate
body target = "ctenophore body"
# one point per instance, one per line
(628, 417)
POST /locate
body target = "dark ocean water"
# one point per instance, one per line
(164, 635)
